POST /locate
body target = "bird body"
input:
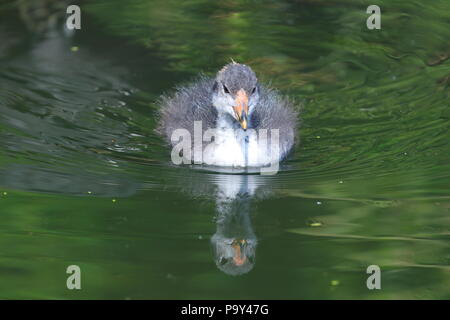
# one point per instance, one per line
(243, 123)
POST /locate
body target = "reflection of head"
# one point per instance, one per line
(234, 242)
(234, 256)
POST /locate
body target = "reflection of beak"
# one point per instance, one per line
(238, 258)
(241, 108)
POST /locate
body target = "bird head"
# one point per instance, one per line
(234, 256)
(236, 92)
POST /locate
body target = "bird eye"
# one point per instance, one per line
(254, 90)
(226, 89)
(222, 261)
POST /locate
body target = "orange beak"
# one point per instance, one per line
(241, 108)
(238, 259)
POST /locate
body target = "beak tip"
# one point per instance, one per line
(241, 108)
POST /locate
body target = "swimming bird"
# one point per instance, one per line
(242, 122)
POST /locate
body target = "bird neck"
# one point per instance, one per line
(229, 128)
(226, 121)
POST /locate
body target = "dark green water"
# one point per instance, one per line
(84, 180)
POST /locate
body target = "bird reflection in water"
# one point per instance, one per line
(234, 242)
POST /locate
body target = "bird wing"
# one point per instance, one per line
(188, 104)
(276, 112)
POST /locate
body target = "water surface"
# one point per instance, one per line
(85, 180)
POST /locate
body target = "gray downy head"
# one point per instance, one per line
(236, 92)
(234, 256)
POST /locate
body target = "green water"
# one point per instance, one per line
(84, 179)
